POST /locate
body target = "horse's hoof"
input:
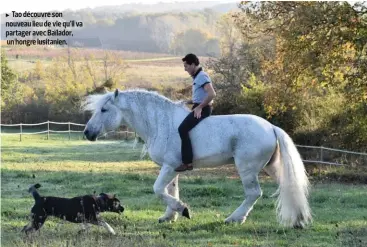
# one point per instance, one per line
(234, 221)
(228, 222)
(186, 213)
(298, 226)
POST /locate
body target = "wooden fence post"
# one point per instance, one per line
(21, 130)
(48, 129)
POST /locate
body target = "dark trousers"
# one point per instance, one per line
(187, 124)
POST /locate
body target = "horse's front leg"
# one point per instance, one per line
(172, 189)
(166, 175)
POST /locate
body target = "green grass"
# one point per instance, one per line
(69, 168)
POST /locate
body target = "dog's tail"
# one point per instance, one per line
(34, 192)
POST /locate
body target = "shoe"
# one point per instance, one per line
(184, 167)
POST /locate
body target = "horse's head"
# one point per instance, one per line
(107, 116)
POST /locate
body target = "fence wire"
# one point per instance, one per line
(310, 154)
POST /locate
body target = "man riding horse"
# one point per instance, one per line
(202, 99)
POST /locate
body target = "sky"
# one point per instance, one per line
(47, 5)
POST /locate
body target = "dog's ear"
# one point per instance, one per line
(114, 196)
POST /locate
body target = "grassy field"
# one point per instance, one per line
(144, 69)
(69, 168)
(149, 70)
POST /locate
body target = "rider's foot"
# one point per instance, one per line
(184, 167)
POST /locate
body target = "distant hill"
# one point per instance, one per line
(148, 32)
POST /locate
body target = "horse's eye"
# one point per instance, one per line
(103, 110)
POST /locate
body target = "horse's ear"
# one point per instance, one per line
(116, 93)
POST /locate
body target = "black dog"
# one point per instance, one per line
(81, 209)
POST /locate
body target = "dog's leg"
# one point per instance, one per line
(85, 227)
(28, 228)
(107, 226)
(38, 218)
(59, 225)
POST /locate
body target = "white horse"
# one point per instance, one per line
(248, 141)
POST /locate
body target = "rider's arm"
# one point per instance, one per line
(208, 87)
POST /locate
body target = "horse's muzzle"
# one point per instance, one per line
(90, 136)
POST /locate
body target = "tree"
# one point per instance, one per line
(237, 63)
(11, 93)
(319, 45)
(192, 41)
(69, 79)
(162, 34)
(39, 71)
(229, 33)
(212, 47)
(66, 83)
(317, 70)
(105, 73)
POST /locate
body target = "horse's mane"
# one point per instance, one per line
(96, 101)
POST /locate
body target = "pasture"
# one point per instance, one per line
(69, 168)
(143, 69)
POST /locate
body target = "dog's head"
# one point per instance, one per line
(111, 203)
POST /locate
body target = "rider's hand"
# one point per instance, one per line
(197, 112)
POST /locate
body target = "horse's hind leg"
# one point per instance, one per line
(172, 189)
(249, 177)
(273, 168)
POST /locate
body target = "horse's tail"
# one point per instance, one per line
(34, 192)
(292, 204)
